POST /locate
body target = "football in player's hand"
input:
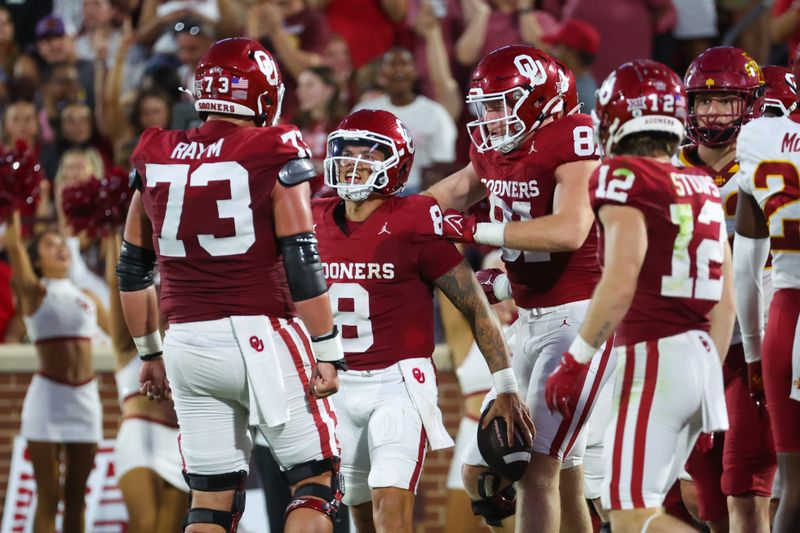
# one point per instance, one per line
(508, 461)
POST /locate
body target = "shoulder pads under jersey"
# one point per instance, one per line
(134, 180)
(296, 171)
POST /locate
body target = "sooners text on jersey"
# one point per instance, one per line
(521, 186)
(681, 277)
(208, 195)
(380, 275)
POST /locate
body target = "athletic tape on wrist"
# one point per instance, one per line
(581, 351)
(148, 344)
(329, 349)
(490, 233)
(504, 381)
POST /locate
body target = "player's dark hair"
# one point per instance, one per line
(648, 144)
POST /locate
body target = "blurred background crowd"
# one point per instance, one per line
(81, 79)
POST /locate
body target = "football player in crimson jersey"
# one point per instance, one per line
(218, 207)
(766, 220)
(534, 160)
(382, 256)
(731, 474)
(663, 228)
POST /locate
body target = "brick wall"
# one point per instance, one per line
(429, 513)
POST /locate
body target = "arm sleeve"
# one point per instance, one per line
(749, 258)
(436, 258)
(574, 141)
(435, 255)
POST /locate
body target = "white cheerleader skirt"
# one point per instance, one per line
(144, 443)
(61, 412)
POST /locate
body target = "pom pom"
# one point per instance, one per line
(97, 206)
(20, 175)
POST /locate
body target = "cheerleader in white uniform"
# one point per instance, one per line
(61, 415)
(147, 458)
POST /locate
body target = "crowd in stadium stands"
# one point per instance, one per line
(80, 80)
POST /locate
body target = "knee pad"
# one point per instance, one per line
(217, 483)
(321, 498)
(494, 505)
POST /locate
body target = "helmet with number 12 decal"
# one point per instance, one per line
(514, 89)
(370, 151)
(239, 77)
(639, 96)
(780, 91)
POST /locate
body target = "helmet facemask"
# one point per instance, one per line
(345, 170)
(715, 130)
(774, 107)
(514, 129)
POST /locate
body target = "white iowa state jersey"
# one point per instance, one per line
(768, 151)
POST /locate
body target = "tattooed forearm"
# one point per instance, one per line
(462, 289)
(602, 334)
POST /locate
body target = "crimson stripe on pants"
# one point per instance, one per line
(598, 380)
(312, 360)
(423, 441)
(324, 436)
(640, 437)
(616, 459)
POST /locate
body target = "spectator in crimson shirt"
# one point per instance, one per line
(337, 57)
(627, 27)
(786, 23)
(294, 34)
(370, 27)
(490, 25)
(319, 111)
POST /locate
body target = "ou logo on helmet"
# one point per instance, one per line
(606, 90)
(267, 66)
(531, 69)
(406, 135)
(790, 81)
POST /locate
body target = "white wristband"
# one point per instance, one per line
(581, 350)
(148, 344)
(504, 381)
(501, 287)
(490, 233)
(329, 350)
